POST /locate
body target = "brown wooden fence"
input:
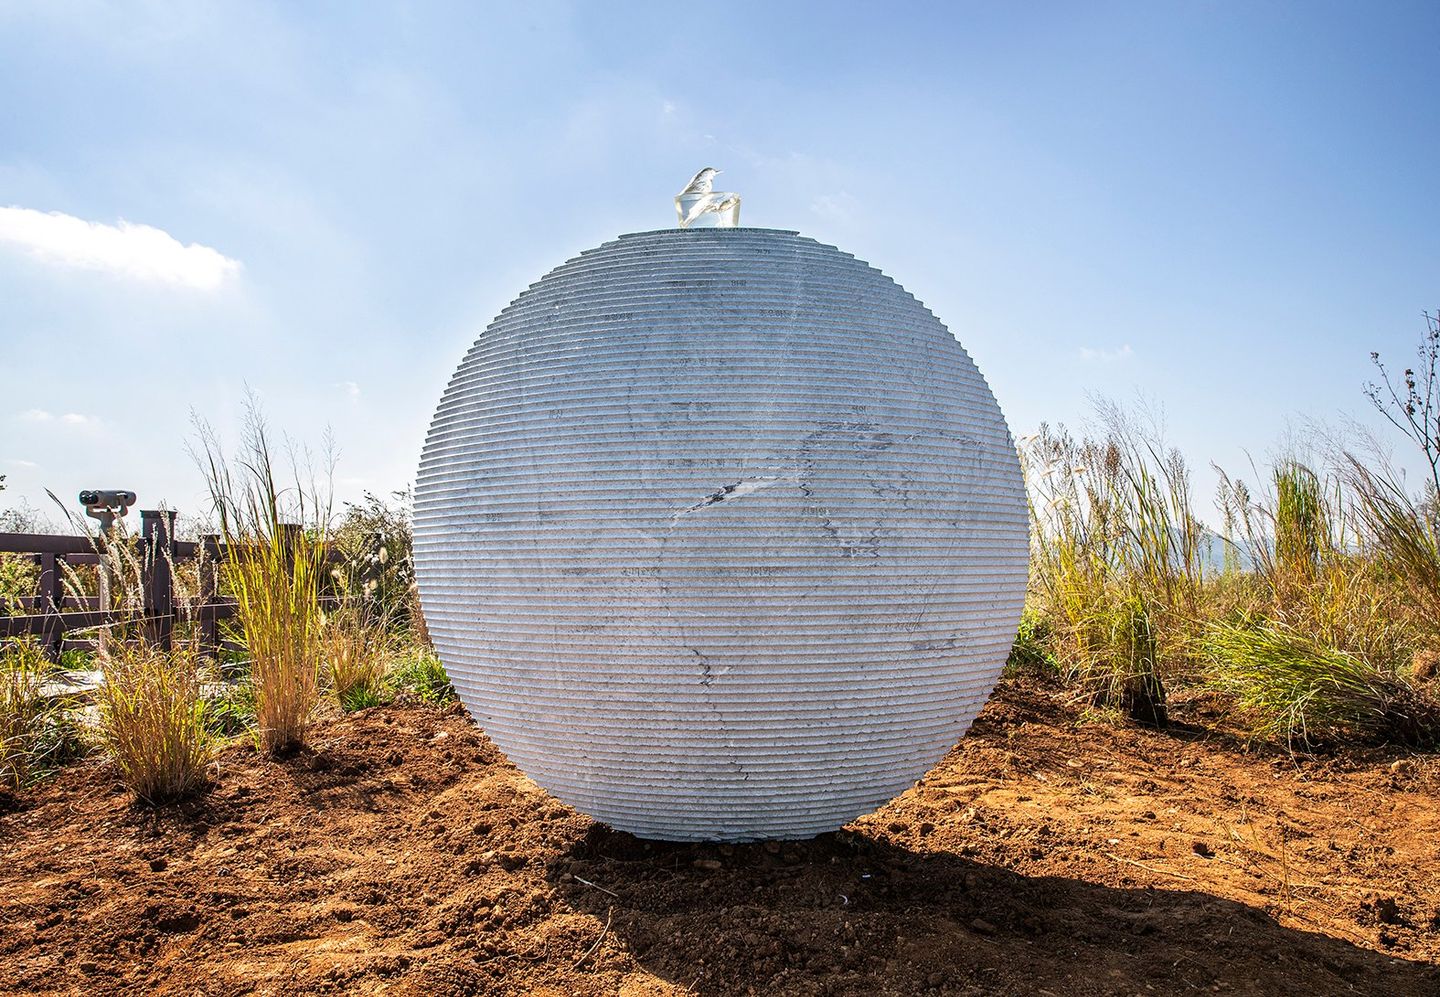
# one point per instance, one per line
(53, 612)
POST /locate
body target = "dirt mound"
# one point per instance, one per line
(405, 856)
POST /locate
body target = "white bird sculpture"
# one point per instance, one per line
(701, 182)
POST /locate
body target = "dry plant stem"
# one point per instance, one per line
(596, 944)
(1148, 868)
(597, 886)
(1415, 411)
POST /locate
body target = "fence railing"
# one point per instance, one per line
(57, 610)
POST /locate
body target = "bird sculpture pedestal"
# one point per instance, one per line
(710, 209)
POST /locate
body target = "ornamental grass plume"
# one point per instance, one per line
(274, 536)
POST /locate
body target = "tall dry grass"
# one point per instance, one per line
(274, 529)
(1314, 570)
(151, 717)
(1316, 650)
(1116, 565)
(1306, 614)
(1402, 532)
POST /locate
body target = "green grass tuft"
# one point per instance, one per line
(38, 732)
(421, 674)
(1302, 692)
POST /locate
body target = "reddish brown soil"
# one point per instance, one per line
(1044, 856)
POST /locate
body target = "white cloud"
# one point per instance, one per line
(349, 387)
(137, 251)
(27, 464)
(1106, 356)
(39, 415)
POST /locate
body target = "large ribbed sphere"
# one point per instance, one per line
(720, 535)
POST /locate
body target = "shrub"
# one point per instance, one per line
(375, 570)
(1411, 400)
(1300, 691)
(19, 578)
(152, 718)
(19, 573)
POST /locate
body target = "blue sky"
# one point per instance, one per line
(1221, 207)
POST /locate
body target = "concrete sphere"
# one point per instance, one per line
(720, 535)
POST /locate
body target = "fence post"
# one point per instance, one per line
(292, 534)
(207, 556)
(52, 601)
(157, 529)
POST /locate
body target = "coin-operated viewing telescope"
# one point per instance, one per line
(105, 504)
